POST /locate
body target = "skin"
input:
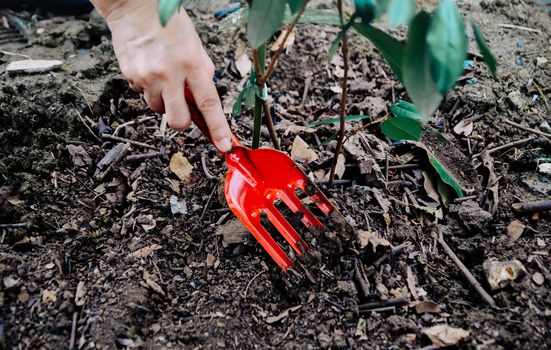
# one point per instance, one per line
(161, 62)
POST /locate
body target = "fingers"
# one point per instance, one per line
(154, 99)
(207, 100)
(176, 108)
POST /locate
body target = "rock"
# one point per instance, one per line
(233, 231)
(400, 325)
(517, 100)
(33, 66)
(500, 274)
(538, 278)
(347, 288)
(471, 215)
(373, 106)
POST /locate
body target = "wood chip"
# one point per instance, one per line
(33, 66)
(181, 166)
(145, 251)
(80, 294)
(514, 230)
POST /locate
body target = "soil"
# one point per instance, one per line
(103, 262)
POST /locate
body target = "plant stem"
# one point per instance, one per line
(342, 115)
(259, 104)
(280, 49)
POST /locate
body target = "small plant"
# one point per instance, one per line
(428, 63)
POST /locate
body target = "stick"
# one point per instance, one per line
(18, 225)
(384, 303)
(342, 114)
(513, 26)
(507, 146)
(531, 207)
(404, 166)
(525, 128)
(122, 139)
(380, 309)
(470, 278)
(73, 331)
(143, 156)
(87, 126)
(205, 169)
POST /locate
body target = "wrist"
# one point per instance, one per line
(113, 10)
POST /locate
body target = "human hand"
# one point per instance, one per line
(160, 62)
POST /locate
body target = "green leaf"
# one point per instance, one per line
(489, 58)
(405, 109)
(447, 45)
(315, 16)
(392, 50)
(401, 11)
(295, 5)
(265, 17)
(250, 95)
(236, 110)
(335, 43)
(348, 118)
(167, 8)
(367, 10)
(398, 128)
(445, 175)
(416, 73)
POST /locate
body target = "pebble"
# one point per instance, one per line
(538, 278)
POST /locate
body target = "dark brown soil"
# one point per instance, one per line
(75, 268)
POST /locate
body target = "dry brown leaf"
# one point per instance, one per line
(211, 260)
(364, 237)
(444, 335)
(180, 166)
(152, 284)
(427, 306)
(514, 230)
(145, 251)
(361, 329)
(79, 155)
(243, 64)
(464, 127)
(340, 168)
(279, 41)
(432, 192)
(49, 296)
(233, 232)
(301, 150)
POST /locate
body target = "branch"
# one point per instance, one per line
(280, 49)
(344, 84)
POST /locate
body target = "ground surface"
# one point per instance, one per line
(77, 269)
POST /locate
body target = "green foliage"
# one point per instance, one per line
(391, 49)
(447, 45)
(265, 18)
(444, 175)
(401, 11)
(167, 8)
(295, 5)
(405, 109)
(489, 58)
(367, 10)
(402, 128)
(417, 76)
(250, 90)
(348, 118)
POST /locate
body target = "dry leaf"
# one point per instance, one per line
(444, 335)
(11, 281)
(80, 294)
(49, 266)
(288, 43)
(152, 284)
(383, 291)
(464, 127)
(79, 156)
(181, 166)
(49, 296)
(412, 282)
(243, 64)
(233, 232)
(427, 306)
(364, 237)
(432, 192)
(282, 315)
(514, 230)
(340, 168)
(211, 260)
(145, 251)
(301, 150)
(361, 329)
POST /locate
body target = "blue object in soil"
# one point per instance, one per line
(68, 6)
(468, 64)
(472, 81)
(521, 61)
(231, 8)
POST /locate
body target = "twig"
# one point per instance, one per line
(525, 128)
(379, 309)
(122, 139)
(463, 199)
(73, 338)
(383, 303)
(507, 146)
(531, 207)
(371, 269)
(18, 225)
(307, 84)
(470, 278)
(205, 169)
(142, 156)
(208, 201)
(404, 166)
(244, 295)
(87, 126)
(342, 114)
(280, 49)
(514, 26)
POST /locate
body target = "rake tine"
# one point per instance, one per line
(286, 230)
(295, 204)
(317, 197)
(268, 243)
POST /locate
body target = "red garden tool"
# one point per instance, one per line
(256, 179)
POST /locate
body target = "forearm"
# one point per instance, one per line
(109, 9)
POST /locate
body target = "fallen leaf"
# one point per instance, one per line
(427, 306)
(340, 168)
(282, 315)
(361, 329)
(383, 291)
(429, 187)
(444, 335)
(147, 222)
(180, 166)
(11, 281)
(412, 282)
(145, 251)
(79, 156)
(243, 64)
(176, 206)
(336, 89)
(514, 230)
(233, 232)
(80, 294)
(364, 237)
(49, 296)
(211, 260)
(279, 41)
(464, 127)
(152, 284)
(499, 273)
(301, 150)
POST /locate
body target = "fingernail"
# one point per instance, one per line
(225, 145)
